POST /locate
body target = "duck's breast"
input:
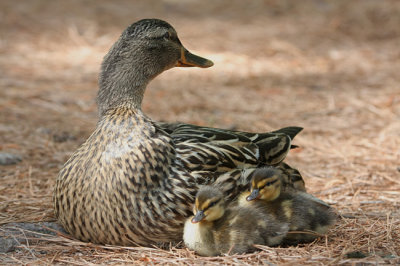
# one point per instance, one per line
(122, 186)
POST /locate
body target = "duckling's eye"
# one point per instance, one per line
(212, 204)
(269, 184)
(262, 187)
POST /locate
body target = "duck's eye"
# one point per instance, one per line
(167, 35)
(268, 184)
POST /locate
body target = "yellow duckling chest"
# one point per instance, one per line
(199, 237)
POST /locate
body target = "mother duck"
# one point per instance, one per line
(133, 181)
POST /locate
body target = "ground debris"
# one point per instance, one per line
(15, 235)
(328, 66)
(9, 158)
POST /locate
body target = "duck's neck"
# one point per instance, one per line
(121, 88)
(123, 78)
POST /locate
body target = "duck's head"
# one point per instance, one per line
(209, 205)
(265, 184)
(144, 50)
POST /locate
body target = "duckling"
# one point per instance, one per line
(219, 227)
(302, 211)
(131, 181)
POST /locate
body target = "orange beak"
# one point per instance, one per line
(191, 60)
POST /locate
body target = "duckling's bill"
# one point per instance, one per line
(191, 60)
(198, 217)
(255, 193)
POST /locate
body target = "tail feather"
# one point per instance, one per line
(290, 131)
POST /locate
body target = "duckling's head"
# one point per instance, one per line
(209, 205)
(145, 49)
(265, 184)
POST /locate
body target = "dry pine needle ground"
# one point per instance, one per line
(329, 66)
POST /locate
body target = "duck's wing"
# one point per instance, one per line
(292, 177)
(219, 150)
(176, 128)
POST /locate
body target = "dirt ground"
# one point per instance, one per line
(331, 67)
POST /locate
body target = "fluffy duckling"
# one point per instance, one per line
(218, 227)
(302, 211)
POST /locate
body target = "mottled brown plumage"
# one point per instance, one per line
(133, 181)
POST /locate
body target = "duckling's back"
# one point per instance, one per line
(241, 228)
(303, 211)
(307, 213)
(117, 187)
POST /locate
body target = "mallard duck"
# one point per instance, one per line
(133, 180)
(218, 227)
(303, 212)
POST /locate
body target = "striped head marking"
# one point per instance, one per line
(209, 205)
(265, 184)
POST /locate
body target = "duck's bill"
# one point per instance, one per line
(253, 195)
(191, 60)
(198, 217)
